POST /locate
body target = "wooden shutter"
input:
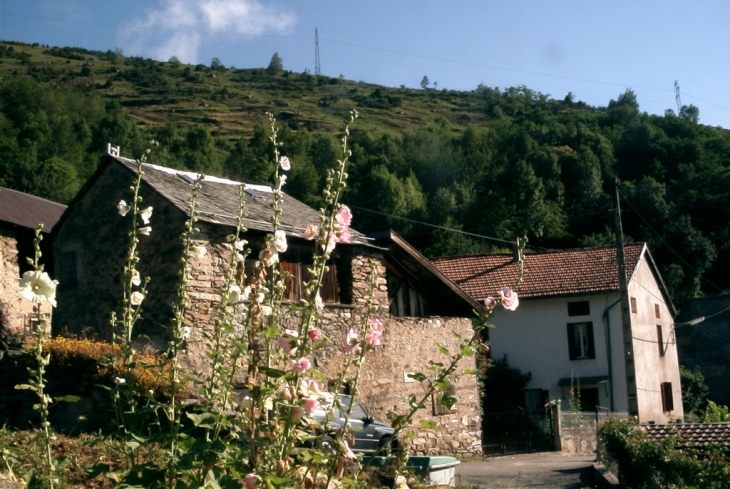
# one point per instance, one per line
(591, 346)
(330, 290)
(293, 283)
(667, 396)
(573, 352)
(660, 339)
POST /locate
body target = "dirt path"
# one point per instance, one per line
(528, 471)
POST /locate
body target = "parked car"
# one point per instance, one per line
(369, 435)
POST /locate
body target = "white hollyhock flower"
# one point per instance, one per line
(187, 330)
(37, 286)
(280, 241)
(266, 310)
(285, 163)
(136, 279)
(146, 214)
(136, 298)
(145, 230)
(123, 208)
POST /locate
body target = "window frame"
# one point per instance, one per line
(667, 396)
(587, 349)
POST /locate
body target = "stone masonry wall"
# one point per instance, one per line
(407, 346)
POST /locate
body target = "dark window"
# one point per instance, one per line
(660, 339)
(633, 305)
(582, 308)
(667, 396)
(404, 299)
(445, 393)
(535, 400)
(67, 276)
(580, 341)
(588, 398)
(657, 312)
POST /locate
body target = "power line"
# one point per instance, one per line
(667, 244)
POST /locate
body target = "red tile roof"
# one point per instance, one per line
(691, 434)
(28, 210)
(554, 273)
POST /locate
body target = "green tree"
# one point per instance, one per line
(694, 390)
(425, 82)
(276, 65)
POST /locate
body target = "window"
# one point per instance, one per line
(404, 299)
(582, 308)
(67, 269)
(633, 305)
(657, 311)
(535, 400)
(580, 341)
(294, 265)
(588, 398)
(667, 396)
(445, 395)
(660, 339)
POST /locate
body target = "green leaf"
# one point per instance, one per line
(469, 371)
(467, 351)
(444, 350)
(429, 425)
(417, 376)
(273, 373)
(443, 383)
(272, 332)
(203, 420)
(447, 401)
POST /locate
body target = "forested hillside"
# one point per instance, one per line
(492, 162)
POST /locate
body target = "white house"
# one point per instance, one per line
(568, 328)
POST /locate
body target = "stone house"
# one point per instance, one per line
(568, 331)
(417, 304)
(20, 214)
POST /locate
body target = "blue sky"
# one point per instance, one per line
(595, 49)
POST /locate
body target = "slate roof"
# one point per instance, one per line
(691, 434)
(218, 200)
(28, 210)
(549, 274)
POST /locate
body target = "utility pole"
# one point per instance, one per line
(317, 70)
(633, 406)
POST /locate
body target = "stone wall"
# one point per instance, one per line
(407, 346)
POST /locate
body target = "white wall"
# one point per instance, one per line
(535, 340)
(651, 368)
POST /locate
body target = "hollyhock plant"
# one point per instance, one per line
(344, 216)
(509, 297)
(280, 241)
(289, 343)
(145, 230)
(146, 214)
(300, 366)
(285, 163)
(376, 333)
(123, 208)
(199, 251)
(251, 481)
(37, 286)
(490, 302)
(351, 341)
(315, 334)
(311, 232)
(136, 298)
(311, 404)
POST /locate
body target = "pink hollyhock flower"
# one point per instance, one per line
(252, 481)
(309, 388)
(490, 302)
(300, 366)
(509, 298)
(351, 341)
(310, 405)
(344, 216)
(376, 332)
(311, 232)
(344, 236)
(331, 242)
(315, 334)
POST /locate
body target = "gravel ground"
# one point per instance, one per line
(551, 470)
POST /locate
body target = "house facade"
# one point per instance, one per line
(20, 214)
(568, 331)
(418, 305)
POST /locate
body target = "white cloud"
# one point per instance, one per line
(178, 27)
